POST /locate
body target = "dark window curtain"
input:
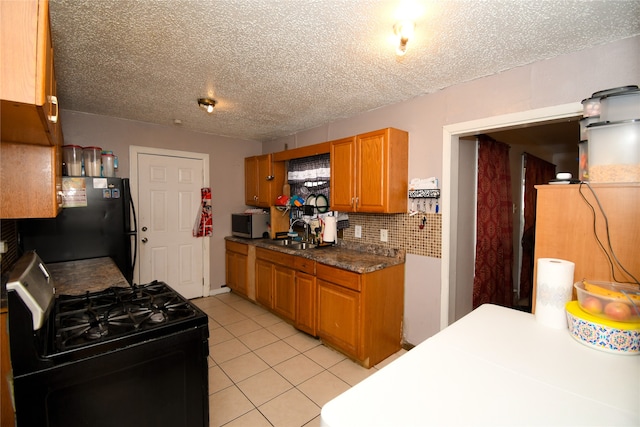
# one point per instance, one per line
(493, 280)
(537, 171)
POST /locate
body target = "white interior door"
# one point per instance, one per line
(168, 202)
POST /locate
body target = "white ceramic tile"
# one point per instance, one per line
(302, 342)
(350, 372)
(298, 369)
(258, 339)
(227, 350)
(323, 387)
(218, 380)
(267, 319)
(282, 330)
(324, 356)
(276, 353)
(226, 405)
(290, 409)
(219, 335)
(250, 419)
(264, 386)
(243, 367)
(243, 327)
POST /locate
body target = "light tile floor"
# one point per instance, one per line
(264, 372)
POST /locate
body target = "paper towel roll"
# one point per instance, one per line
(330, 232)
(554, 286)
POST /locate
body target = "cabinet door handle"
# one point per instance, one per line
(357, 200)
(60, 198)
(54, 101)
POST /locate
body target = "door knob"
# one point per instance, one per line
(145, 240)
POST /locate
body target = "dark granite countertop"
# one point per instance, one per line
(88, 275)
(356, 257)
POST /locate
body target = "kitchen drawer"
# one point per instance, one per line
(274, 257)
(340, 277)
(240, 248)
(305, 265)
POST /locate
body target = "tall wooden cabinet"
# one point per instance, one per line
(31, 161)
(565, 229)
(263, 180)
(369, 172)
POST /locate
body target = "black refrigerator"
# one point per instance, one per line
(98, 220)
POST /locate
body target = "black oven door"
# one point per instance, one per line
(160, 382)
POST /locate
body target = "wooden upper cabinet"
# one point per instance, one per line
(369, 172)
(30, 129)
(29, 110)
(263, 180)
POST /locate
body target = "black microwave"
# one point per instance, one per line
(250, 225)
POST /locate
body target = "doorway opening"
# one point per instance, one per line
(458, 240)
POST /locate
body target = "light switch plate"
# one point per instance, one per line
(358, 231)
(384, 235)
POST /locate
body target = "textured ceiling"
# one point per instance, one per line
(280, 66)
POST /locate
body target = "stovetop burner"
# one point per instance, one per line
(116, 312)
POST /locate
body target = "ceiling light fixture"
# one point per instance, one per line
(404, 31)
(207, 104)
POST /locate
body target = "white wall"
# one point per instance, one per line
(226, 164)
(557, 81)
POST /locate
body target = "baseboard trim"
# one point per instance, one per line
(224, 290)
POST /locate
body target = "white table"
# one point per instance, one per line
(495, 366)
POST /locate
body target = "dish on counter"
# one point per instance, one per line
(311, 200)
(617, 302)
(604, 335)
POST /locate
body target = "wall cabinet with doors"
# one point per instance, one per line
(263, 180)
(30, 130)
(361, 314)
(565, 229)
(369, 172)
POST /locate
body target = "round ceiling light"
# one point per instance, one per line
(207, 104)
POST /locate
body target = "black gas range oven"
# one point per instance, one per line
(125, 356)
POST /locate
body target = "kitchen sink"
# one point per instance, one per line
(291, 244)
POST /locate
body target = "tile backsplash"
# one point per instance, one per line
(403, 231)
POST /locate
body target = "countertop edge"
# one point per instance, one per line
(367, 262)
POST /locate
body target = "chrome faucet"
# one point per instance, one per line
(306, 228)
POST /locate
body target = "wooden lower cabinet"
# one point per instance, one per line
(339, 317)
(306, 303)
(361, 314)
(237, 268)
(275, 282)
(264, 283)
(284, 291)
(358, 314)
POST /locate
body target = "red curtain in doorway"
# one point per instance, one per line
(537, 171)
(493, 280)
